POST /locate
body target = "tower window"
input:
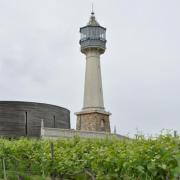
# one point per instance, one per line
(102, 125)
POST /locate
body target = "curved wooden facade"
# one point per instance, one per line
(24, 118)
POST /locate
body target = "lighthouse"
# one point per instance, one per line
(93, 116)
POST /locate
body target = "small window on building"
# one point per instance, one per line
(102, 125)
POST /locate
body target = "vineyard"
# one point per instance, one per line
(81, 159)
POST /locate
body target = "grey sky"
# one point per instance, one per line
(40, 59)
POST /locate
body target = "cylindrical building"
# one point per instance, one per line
(24, 118)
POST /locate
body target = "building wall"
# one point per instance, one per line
(93, 121)
(24, 118)
(54, 133)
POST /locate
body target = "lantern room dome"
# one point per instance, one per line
(92, 21)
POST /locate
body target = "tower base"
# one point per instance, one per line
(93, 120)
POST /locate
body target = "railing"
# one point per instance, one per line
(100, 43)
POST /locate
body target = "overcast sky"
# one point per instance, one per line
(40, 59)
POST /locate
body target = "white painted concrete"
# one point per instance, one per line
(93, 92)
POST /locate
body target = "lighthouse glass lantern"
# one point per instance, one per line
(93, 36)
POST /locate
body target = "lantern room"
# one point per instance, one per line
(93, 36)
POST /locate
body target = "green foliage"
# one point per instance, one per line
(153, 158)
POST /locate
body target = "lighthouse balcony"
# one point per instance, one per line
(90, 43)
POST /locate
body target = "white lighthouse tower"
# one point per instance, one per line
(93, 116)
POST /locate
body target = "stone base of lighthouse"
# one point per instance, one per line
(93, 120)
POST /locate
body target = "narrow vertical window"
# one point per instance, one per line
(102, 125)
(26, 125)
(54, 121)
